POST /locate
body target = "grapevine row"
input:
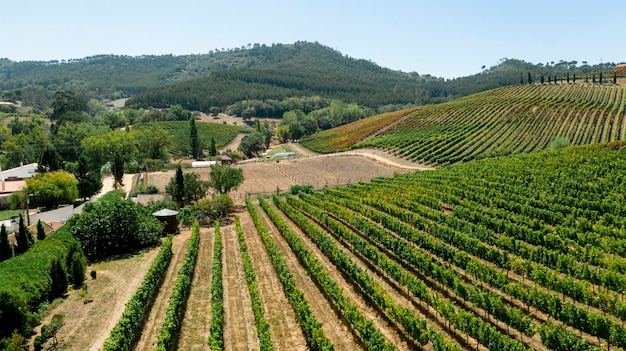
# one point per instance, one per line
(216, 330)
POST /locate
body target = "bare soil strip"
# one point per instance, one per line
(239, 326)
(91, 314)
(284, 328)
(335, 328)
(151, 329)
(195, 328)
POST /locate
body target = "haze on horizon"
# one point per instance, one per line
(449, 38)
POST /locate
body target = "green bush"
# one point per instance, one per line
(115, 227)
(25, 282)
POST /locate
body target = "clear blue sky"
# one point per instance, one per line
(445, 38)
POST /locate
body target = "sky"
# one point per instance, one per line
(443, 38)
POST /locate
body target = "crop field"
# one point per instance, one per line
(512, 253)
(506, 121)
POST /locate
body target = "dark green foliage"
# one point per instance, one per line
(128, 329)
(50, 161)
(251, 144)
(114, 227)
(295, 189)
(89, 180)
(212, 148)
(77, 269)
(530, 80)
(58, 277)
(23, 237)
(196, 152)
(93, 274)
(41, 233)
(185, 188)
(5, 248)
(225, 178)
(25, 281)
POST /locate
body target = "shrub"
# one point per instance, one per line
(78, 268)
(115, 227)
(207, 211)
(92, 274)
(295, 189)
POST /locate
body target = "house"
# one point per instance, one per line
(21, 172)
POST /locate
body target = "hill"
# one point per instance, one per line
(510, 120)
(257, 72)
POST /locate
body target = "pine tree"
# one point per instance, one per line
(23, 237)
(5, 247)
(213, 148)
(41, 233)
(193, 135)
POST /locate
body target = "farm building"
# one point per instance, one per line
(620, 67)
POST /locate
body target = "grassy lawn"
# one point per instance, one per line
(8, 214)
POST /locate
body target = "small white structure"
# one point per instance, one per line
(200, 164)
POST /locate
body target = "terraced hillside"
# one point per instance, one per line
(511, 120)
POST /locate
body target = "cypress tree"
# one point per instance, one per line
(5, 247)
(549, 79)
(213, 149)
(22, 237)
(193, 135)
(567, 79)
(542, 80)
(41, 233)
(180, 187)
(593, 79)
(521, 79)
(574, 79)
(614, 78)
(58, 275)
(530, 80)
(600, 77)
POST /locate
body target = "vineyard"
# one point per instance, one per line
(505, 121)
(513, 253)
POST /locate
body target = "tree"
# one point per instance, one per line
(178, 192)
(225, 178)
(50, 161)
(51, 189)
(193, 188)
(89, 180)
(41, 232)
(267, 134)
(23, 237)
(77, 268)
(117, 147)
(530, 80)
(58, 275)
(296, 130)
(5, 246)
(193, 136)
(212, 148)
(113, 226)
(251, 144)
(257, 125)
(282, 133)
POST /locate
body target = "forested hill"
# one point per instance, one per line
(302, 69)
(256, 72)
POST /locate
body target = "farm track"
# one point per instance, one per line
(284, 328)
(239, 326)
(152, 327)
(335, 329)
(195, 327)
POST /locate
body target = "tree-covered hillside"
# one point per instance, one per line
(259, 74)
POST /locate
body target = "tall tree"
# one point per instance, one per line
(5, 247)
(23, 237)
(41, 232)
(193, 136)
(117, 147)
(213, 148)
(51, 161)
(530, 80)
(89, 180)
(178, 191)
